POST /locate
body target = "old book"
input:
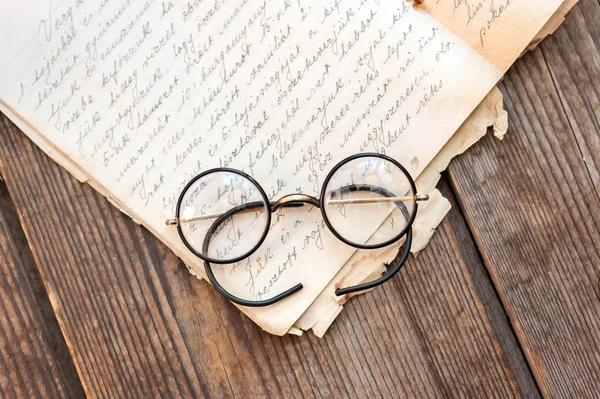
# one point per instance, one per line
(143, 95)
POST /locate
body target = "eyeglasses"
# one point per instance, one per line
(368, 201)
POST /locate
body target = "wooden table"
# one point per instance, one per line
(504, 302)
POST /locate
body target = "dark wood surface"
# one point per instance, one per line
(505, 301)
(533, 205)
(27, 364)
(138, 324)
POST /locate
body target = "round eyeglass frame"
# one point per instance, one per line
(341, 164)
(270, 208)
(263, 194)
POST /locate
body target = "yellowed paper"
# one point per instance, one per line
(490, 113)
(365, 266)
(553, 24)
(142, 96)
(494, 28)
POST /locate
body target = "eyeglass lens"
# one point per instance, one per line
(368, 194)
(223, 216)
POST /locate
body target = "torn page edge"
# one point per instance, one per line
(366, 266)
(552, 25)
(59, 157)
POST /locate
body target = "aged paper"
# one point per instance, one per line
(143, 95)
(365, 266)
(553, 24)
(326, 307)
(550, 27)
(490, 113)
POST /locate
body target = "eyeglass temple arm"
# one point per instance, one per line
(244, 302)
(397, 265)
(399, 262)
(251, 206)
(208, 268)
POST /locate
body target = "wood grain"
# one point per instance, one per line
(27, 365)
(139, 325)
(533, 206)
(573, 59)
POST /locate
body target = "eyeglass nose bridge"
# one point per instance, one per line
(294, 200)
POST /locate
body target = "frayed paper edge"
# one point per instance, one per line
(366, 266)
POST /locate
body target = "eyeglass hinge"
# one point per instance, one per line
(420, 198)
(171, 222)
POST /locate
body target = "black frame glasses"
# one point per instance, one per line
(299, 200)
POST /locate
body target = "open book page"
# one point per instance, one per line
(142, 95)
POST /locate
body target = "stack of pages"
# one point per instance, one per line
(136, 97)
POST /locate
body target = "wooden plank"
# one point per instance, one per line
(573, 59)
(27, 366)
(533, 206)
(138, 324)
(52, 333)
